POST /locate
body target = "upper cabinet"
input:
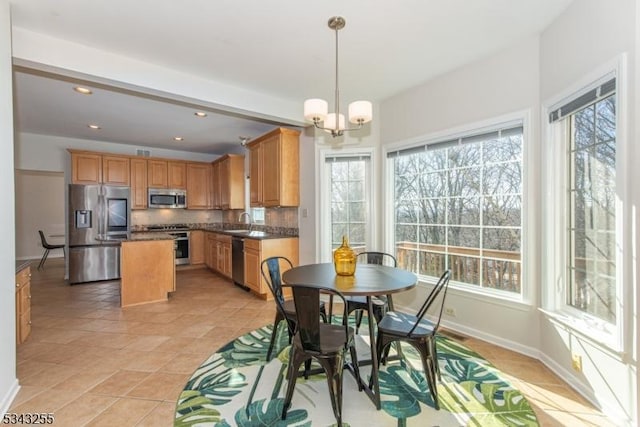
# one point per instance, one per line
(199, 183)
(115, 170)
(157, 174)
(255, 171)
(229, 187)
(94, 168)
(177, 174)
(275, 169)
(86, 168)
(138, 178)
(215, 185)
(166, 174)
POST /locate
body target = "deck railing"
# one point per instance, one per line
(486, 268)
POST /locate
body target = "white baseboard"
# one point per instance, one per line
(567, 376)
(6, 401)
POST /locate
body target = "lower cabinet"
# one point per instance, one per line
(226, 255)
(220, 256)
(196, 247)
(255, 251)
(210, 250)
(142, 281)
(23, 304)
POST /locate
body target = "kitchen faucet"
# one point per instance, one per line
(248, 216)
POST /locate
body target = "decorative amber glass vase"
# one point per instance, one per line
(344, 259)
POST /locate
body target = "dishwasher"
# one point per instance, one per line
(237, 261)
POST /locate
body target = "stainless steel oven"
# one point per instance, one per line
(182, 246)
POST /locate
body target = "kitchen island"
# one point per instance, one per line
(147, 268)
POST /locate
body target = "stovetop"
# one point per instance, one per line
(168, 227)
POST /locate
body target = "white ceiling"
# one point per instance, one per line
(282, 48)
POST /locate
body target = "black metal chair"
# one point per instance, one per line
(325, 342)
(379, 304)
(47, 247)
(417, 331)
(273, 277)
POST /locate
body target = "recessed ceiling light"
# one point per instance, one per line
(94, 126)
(82, 90)
(178, 138)
(200, 114)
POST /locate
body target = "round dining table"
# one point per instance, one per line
(369, 280)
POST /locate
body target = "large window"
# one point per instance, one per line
(458, 205)
(592, 208)
(349, 188)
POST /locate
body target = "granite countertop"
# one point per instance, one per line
(255, 234)
(21, 265)
(150, 235)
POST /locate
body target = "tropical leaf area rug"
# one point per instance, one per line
(236, 386)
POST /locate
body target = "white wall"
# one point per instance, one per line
(40, 200)
(589, 34)
(500, 85)
(8, 380)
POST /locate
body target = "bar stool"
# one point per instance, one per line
(47, 247)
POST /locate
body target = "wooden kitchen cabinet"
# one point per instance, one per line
(196, 247)
(223, 254)
(166, 174)
(230, 183)
(138, 180)
(141, 281)
(211, 257)
(215, 185)
(115, 170)
(275, 169)
(257, 250)
(86, 168)
(255, 171)
(23, 304)
(95, 168)
(199, 194)
(157, 173)
(177, 174)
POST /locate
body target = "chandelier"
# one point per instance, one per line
(317, 110)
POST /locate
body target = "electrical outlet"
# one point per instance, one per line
(450, 311)
(576, 362)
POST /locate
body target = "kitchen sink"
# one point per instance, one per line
(238, 231)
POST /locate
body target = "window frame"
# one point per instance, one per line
(556, 145)
(324, 226)
(526, 296)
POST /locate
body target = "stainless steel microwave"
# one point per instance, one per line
(163, 198)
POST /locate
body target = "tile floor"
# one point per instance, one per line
(92, 363)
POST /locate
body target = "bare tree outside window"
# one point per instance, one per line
(349, 203)
(592, 210)
(458, 205)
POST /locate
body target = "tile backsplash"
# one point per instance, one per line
(281, 220)
(174, 216)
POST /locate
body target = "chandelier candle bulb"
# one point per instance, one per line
(360, 112)
(315, 109)
(330, 122)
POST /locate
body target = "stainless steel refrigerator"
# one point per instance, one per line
(99, 219)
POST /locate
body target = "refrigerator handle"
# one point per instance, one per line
(101, 215)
